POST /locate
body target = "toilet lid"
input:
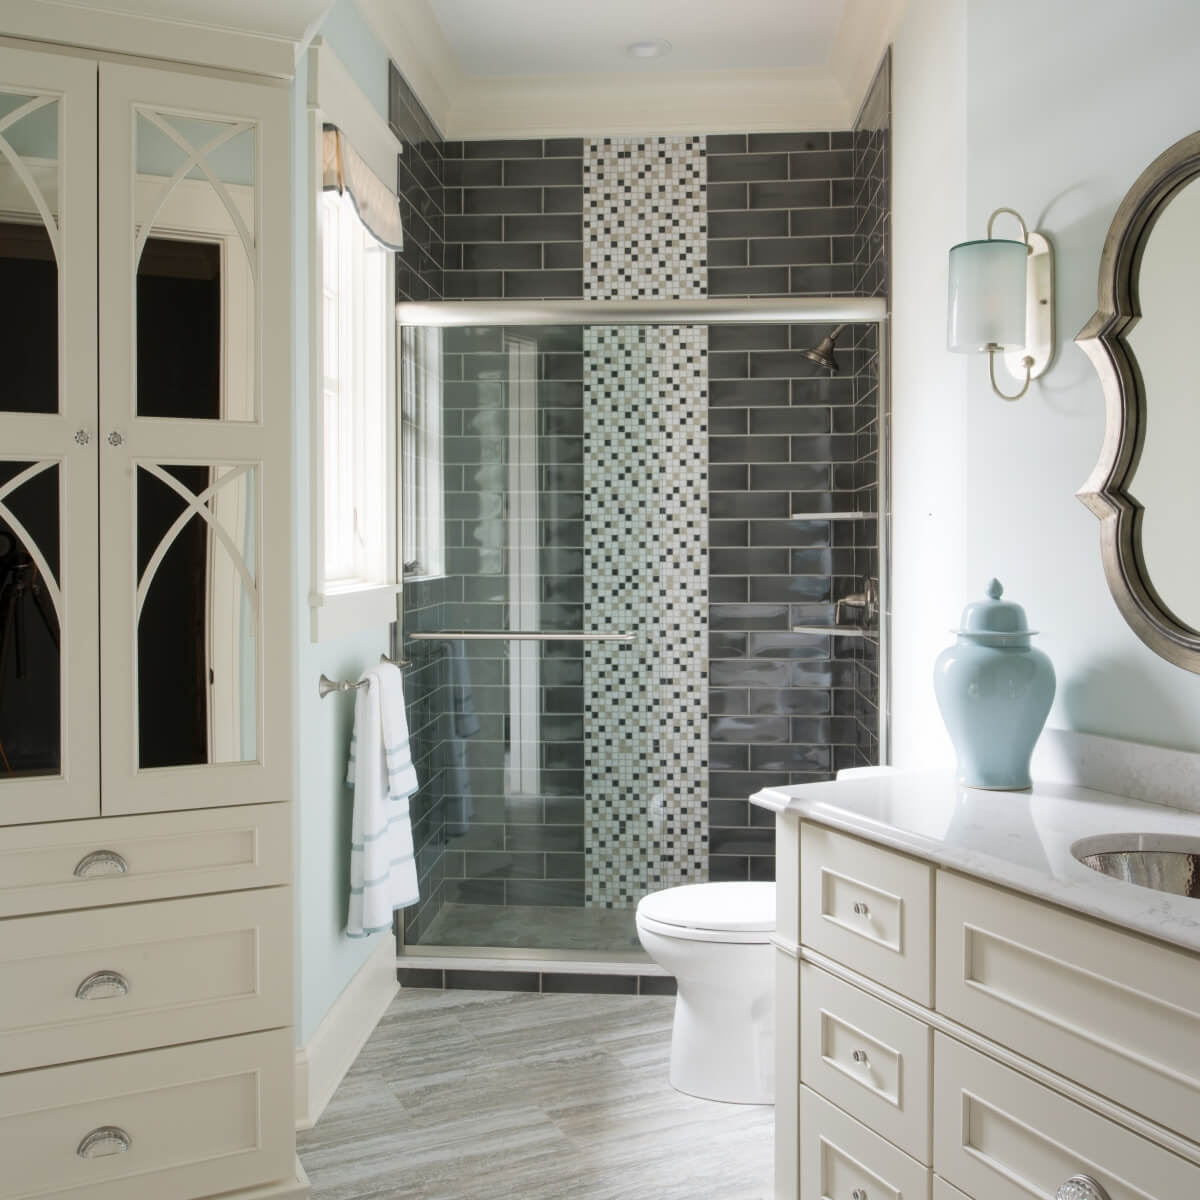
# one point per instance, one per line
(744, 907)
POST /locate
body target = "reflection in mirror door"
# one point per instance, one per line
(30, 629)
(29, 239)
(198, 621)
(196, 260)
(1165, 481)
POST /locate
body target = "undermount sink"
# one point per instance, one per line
(1160, 861)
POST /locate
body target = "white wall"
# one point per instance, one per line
(1063, 106)
(327, 959)
(929, 130)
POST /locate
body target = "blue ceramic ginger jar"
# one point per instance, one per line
(995, 692)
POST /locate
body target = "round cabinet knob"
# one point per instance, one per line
(859, 1194)
(99, 863)
(860, 909)
(102, 1142)
(860, 1057)
(102, 985)
(1081, 1187)
(115, 439)
(82, 437)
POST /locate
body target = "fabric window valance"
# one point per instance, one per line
(345, 172)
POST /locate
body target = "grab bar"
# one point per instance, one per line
(507, 635)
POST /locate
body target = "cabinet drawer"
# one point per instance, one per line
(1000, 1136)
(118, 860)
(1118, 1013)
(841, 1159)
(199, 1120)
(107, 981)
(867, 1058)
(869, 908)
(945, 1191)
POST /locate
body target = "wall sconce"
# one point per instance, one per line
(1002, 302)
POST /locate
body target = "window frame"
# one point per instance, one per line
(349, 604)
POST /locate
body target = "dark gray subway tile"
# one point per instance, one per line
(564, 256)
(747, 281)
(523, 285)
(563, 147)
(787, 251)
(503, 148)
(744, 224)
(501, 200)
(656, 985)
(748, 337)
(749, 616)
(562, 199)
(493, 981)
(553, 227)
(545, 172)
(770, 143)
(501, 256)
(816, 280)
(725, 195)
(475, 229)
(736, 168)
(832, 164)
(459, 173)
(593, 985)
(805, 193)
(725, 143)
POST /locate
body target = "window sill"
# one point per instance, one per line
(352, 608)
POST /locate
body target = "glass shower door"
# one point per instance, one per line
(547, 733)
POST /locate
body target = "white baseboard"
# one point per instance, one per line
(341, 1035)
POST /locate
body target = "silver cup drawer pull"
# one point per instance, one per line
(1080, 1187)
(102, 985)
(99, 864)
(102, 1142)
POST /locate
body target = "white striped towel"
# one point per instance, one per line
(383, 873)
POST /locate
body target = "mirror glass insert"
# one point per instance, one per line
(1166, 481)
(29, 181)
(197, 604)
(30, 630)
(196, 268)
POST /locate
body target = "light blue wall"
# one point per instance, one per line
(1064, 106)
(1064, 112)
(327, 959)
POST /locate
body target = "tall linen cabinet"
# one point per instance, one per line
(145, 682)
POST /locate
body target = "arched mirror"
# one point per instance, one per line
(1142, 341)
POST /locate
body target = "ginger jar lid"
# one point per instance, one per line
(995, 618)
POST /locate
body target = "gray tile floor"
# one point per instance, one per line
(463, 1095)
(528, 926)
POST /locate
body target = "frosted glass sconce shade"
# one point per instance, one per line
(987, 296)
(1002, 302)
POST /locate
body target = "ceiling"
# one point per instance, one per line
(548, 37)
(527, 68)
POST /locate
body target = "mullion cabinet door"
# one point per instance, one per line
(49, 684)
(195, 440)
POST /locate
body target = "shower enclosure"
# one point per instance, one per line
(556, 608)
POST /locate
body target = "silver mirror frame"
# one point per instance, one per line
(1103, 340)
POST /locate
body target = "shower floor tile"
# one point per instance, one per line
(533, 927)
(519, 1096)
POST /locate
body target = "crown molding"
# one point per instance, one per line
(671, 102)
(261, 37)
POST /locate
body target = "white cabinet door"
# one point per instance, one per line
(49, 764)
(195, 418)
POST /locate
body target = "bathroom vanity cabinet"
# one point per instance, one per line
(146, 918)
(944, 1036)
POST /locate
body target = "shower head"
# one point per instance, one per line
(822, 352)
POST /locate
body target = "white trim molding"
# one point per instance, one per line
(256, 36)
(343, 1032)
(670, 101)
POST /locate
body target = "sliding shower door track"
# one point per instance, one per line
(507, 958)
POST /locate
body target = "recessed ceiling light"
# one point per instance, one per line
(649, 49)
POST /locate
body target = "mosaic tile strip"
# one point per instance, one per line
(645, 570)
(645, 218)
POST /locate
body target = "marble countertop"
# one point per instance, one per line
(1021, 840)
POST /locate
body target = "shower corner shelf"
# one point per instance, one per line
(834, 516)
(854, 631)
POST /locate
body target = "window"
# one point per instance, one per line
(424, 539)
(357, 390)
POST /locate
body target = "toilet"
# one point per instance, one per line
(714, 939)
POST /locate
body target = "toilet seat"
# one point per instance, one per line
(711, 912)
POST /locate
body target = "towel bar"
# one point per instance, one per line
(325, 685)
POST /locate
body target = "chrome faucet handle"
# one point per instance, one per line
(867, 600)
(1080, 1187)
